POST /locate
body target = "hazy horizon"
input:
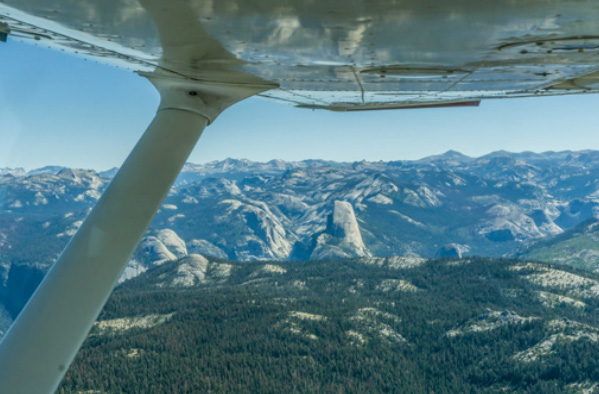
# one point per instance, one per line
(56, 108)
(317, 159)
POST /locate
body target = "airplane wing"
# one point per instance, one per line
(337, 55)
(205, 55)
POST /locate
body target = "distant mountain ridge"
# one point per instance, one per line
(446, 206)
(239, 209)
(242, 165)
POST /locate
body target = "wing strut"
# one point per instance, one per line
(43, 341)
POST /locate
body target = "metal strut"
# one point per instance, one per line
(41, 344)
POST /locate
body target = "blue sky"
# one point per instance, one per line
(58, 109)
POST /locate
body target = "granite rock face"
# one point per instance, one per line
(243, 210)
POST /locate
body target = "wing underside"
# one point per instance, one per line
(339, 55)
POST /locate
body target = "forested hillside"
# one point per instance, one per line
(577, 247)
(368, 325)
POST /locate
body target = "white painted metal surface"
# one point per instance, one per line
(41, 344)
(337, 54)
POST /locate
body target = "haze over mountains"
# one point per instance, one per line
(535, 206)
(449, 204)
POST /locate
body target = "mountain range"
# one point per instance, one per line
(448, 204)
(265, 228)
